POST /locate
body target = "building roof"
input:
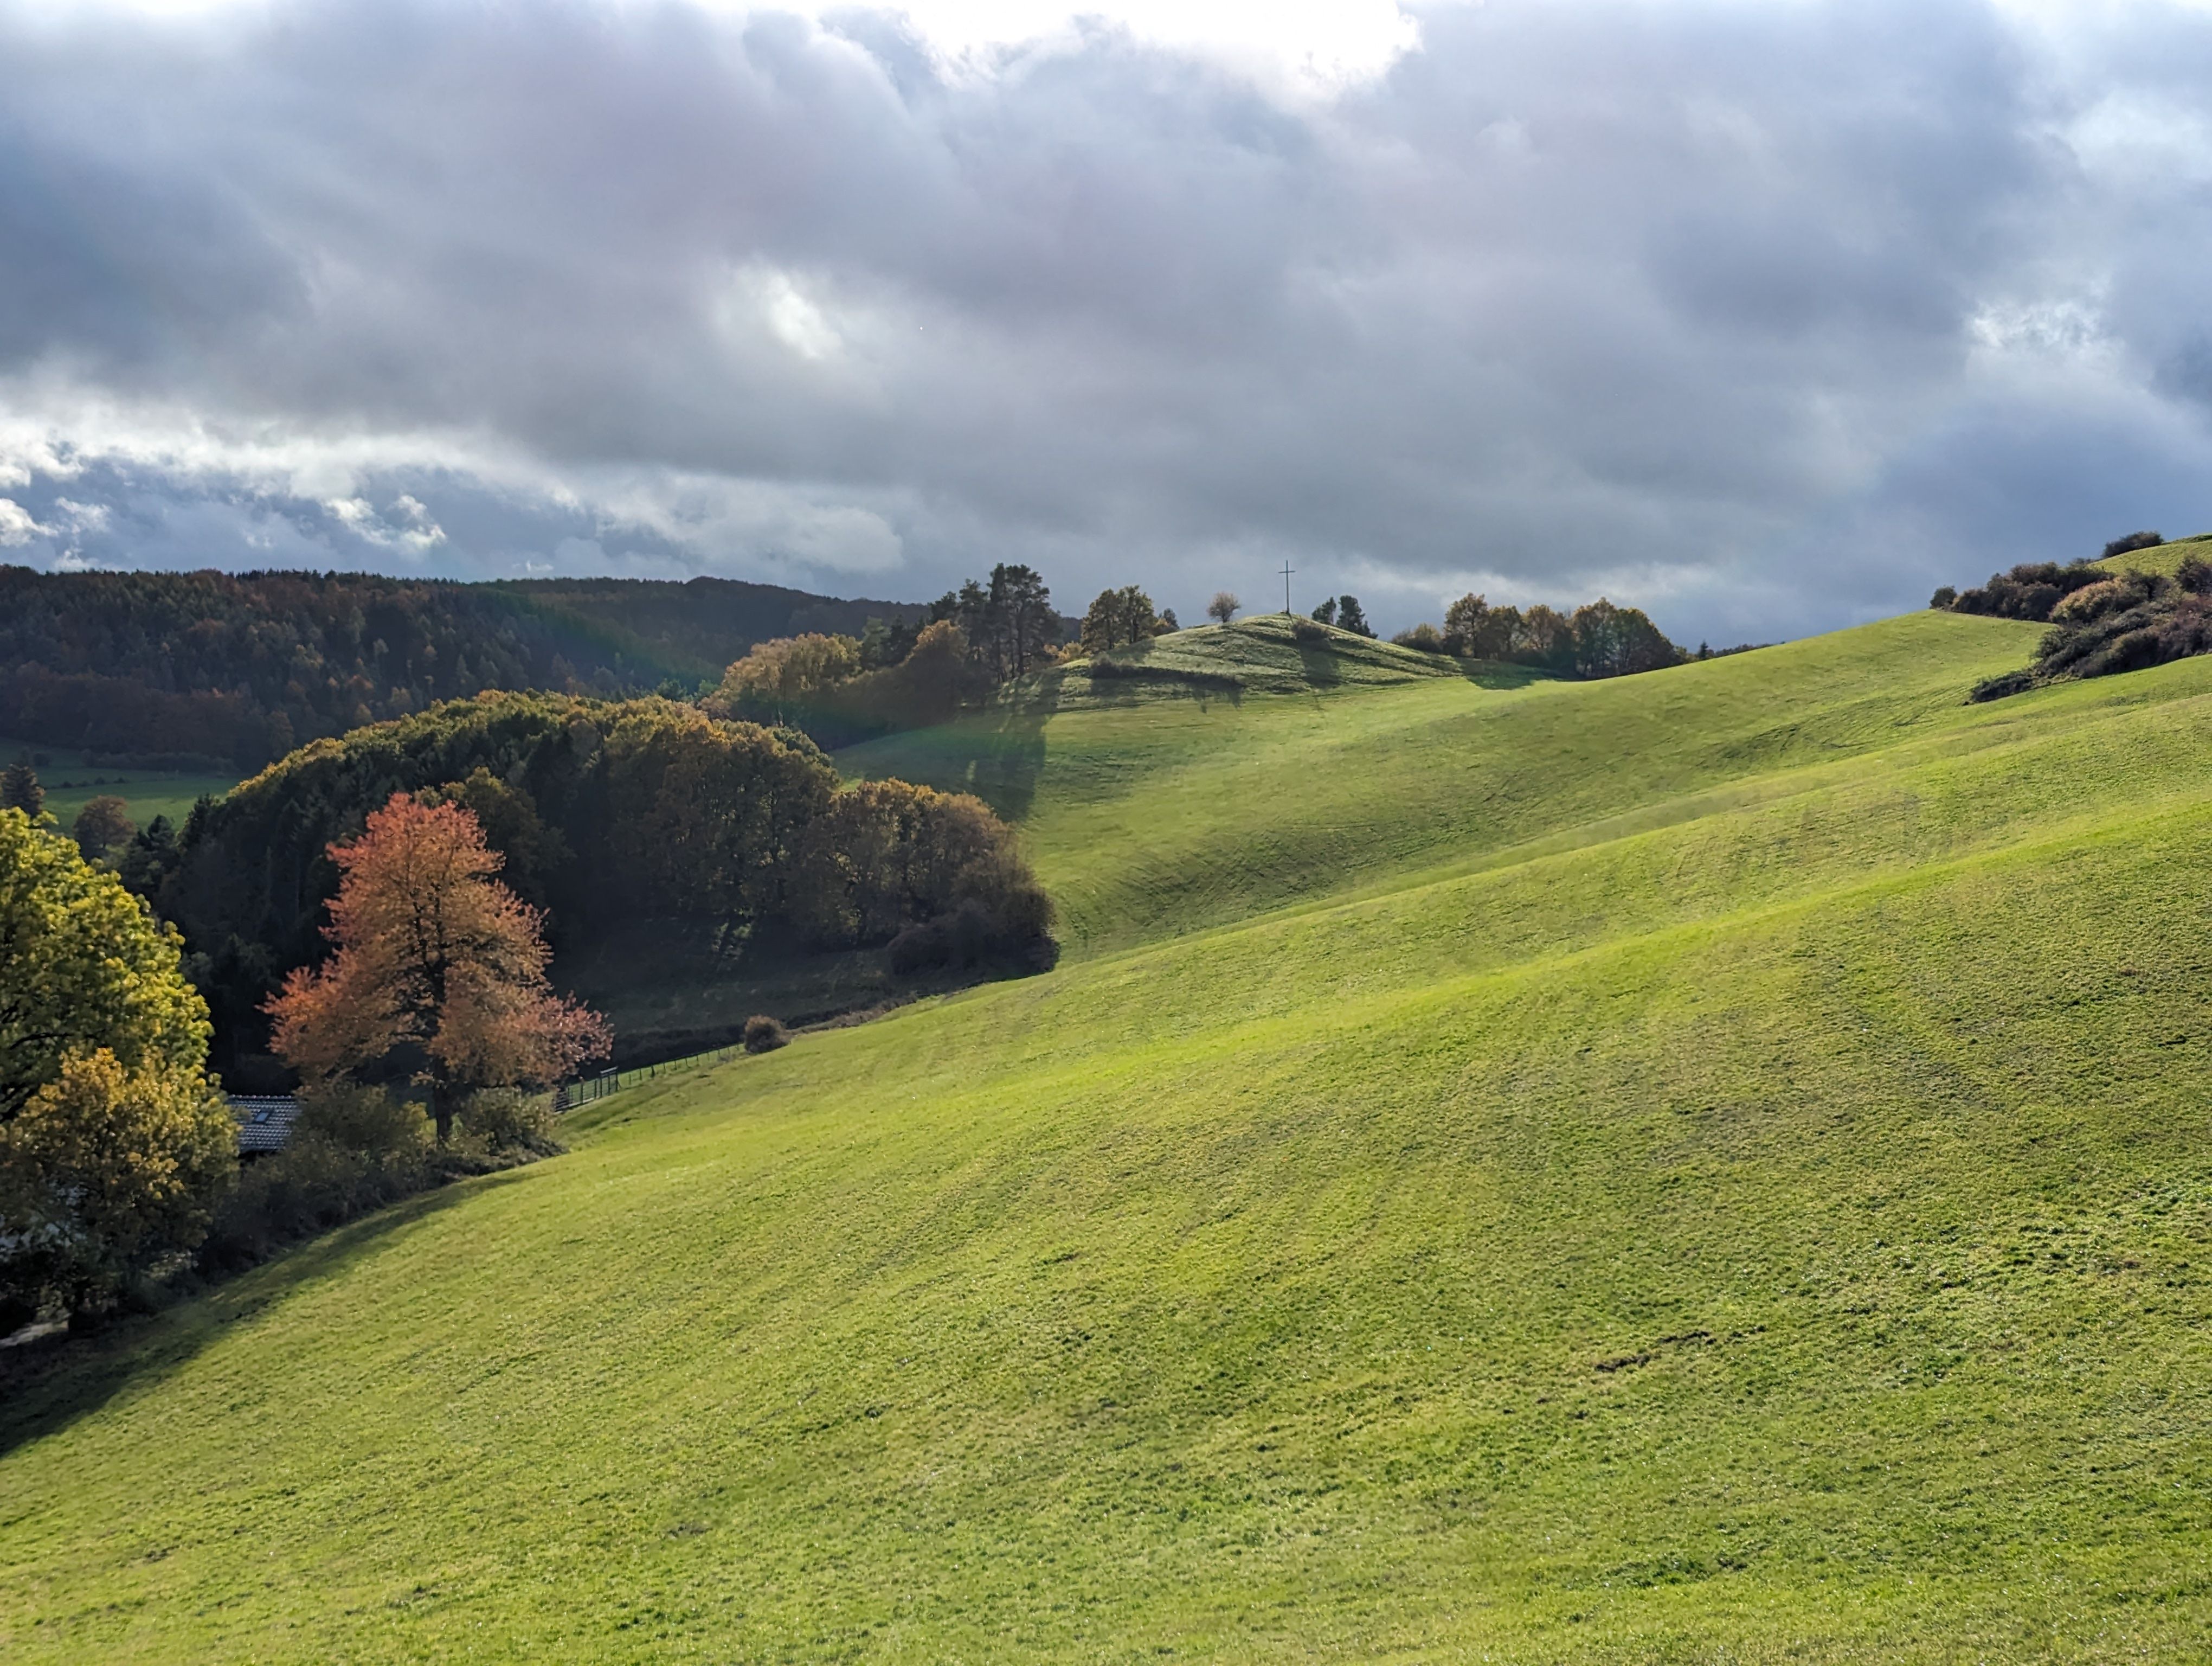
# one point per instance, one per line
(264, 1121)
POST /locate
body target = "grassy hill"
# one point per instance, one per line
(1708, 1166)
(2165, 557)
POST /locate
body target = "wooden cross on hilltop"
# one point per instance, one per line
(1287, 570)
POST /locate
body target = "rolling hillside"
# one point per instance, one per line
(1707, 1166)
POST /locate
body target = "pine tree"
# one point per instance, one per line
(20, 788)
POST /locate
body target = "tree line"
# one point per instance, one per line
(842, 689)
(1597, 640)
(223, 670)
(604, 813)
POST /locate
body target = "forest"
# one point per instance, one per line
(195, 670)
(603, 814)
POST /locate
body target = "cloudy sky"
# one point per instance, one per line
(1767, 315)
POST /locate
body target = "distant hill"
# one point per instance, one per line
(236, 669)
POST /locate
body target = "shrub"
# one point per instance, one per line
(764, 1034)
(512, 1119)
(1308, 630)
(2194, 575)
(2133, 541)
(2095, 601)
(1424, 638)
(1944, 596)
(370, 1122)
(312, 1185)
(1996, 688)
(2029, 590)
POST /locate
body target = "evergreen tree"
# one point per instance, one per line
(20, 788)
(1349, 616)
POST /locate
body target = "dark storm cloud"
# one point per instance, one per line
(1766, 316)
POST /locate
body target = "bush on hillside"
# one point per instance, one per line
(368, 1121)
(2123, 622)
(1313, 629)
(2029, 591)
(1422, 639)
(764, 1034)
(512, 1119)
(2130, 543)
(356, 1149)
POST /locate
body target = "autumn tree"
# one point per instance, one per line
(785, 675)
(114, 1143)
(438, 968)
(1222, 608)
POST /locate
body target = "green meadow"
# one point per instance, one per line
(71, 782)
(1710, 1166)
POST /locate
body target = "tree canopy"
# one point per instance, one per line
(114, 1143)
(435, 961)
(604, 813)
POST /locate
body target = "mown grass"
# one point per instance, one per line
(71, 783)
(1709, 1167)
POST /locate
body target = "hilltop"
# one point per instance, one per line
(1707, 1164)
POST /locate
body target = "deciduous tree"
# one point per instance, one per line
(106, 1169)
(1222, 608)
(112, 1144)
(437, 966)
(1120, 617)
(102, 825)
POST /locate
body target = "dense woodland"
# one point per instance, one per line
(235, 670)
(604, 814)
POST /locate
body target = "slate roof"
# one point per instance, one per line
(265, 1123)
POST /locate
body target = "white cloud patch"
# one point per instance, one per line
(17, 527)
(1732, 310)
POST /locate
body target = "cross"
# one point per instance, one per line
(1287, 570)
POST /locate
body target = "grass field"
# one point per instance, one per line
(71, 783)
(1707, 1167)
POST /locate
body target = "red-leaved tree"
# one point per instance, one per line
(435, 956)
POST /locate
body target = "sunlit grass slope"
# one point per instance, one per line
(1708, 1167)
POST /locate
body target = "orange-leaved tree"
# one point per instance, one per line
(437, 964)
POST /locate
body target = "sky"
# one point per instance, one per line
(1766, 316)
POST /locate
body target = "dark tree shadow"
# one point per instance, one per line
(1503, 674)
(59, 1382)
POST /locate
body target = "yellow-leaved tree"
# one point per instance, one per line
(114, 1144)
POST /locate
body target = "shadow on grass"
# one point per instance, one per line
(68, 1378)
(1503, 674)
